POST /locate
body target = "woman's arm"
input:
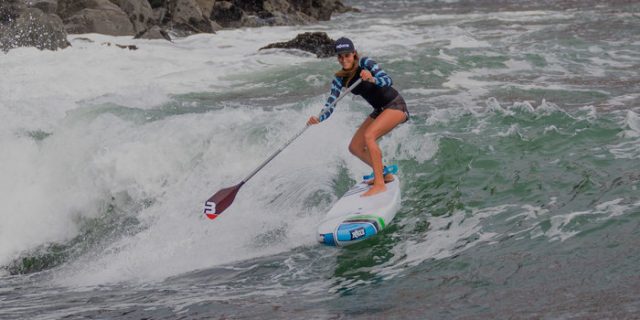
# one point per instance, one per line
(382, 79)
(336, 87)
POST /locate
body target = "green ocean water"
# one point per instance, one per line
(519, 174)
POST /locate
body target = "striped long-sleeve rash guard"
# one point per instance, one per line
(378, 94)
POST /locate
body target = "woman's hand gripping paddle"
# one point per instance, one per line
(222, 199)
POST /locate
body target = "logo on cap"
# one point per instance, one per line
(344, 45)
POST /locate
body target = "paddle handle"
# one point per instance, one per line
(296, 136)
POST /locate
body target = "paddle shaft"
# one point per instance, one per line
(222, 199)
(296, 136)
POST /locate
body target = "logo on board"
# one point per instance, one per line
(357, 233)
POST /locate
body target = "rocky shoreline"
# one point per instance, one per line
(44, 24)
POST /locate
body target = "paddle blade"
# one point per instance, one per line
(220, 201)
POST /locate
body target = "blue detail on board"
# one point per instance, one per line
(355, 231)
(392, 169)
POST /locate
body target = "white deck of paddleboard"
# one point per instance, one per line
(352, 205)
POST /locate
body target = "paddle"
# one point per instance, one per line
(222, 199)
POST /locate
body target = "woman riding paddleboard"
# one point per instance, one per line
(389, 108)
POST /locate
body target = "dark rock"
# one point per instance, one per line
(158, 3)
(154, 32)
(320, 10)
(186, 11)
(318, 43)
(227, 14)
(67, 8)
(253, 13)
(33, 28)
(340, 7)
(10, 10)
(82, 39)
(121, 46)
(129, 46)
(317, 9)
(186, 17)
(151, 19)
(235, 14)
(159, 14)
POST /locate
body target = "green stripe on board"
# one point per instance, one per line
(379, 219)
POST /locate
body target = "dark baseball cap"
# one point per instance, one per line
(344, 45)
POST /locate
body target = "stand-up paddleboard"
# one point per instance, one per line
(354, 218)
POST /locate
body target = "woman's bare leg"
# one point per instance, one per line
(384, 123)
(357, 146)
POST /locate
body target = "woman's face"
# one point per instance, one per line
(346, 60)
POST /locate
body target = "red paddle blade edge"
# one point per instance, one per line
(220, 201)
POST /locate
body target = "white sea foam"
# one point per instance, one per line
(514, 16)
(630, 147)
(408, 145)
(184, 167)
(446, 237)
(466, 41)
(459, 232)
(632, 124)
(514, 130)
(624, 100)
(562, 226)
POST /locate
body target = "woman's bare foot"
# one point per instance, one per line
(375, 189)
(387, 178)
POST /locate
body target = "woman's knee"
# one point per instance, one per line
(370, 136)
(356, 147)
(353, 148)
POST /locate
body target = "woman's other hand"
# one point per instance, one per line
(366, 76)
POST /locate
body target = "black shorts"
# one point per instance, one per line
(395, 104)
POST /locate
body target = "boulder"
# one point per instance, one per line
(227, 14)
(252, 13)
(325, 8)
(340, 7)
(235, 14)
(99, 21)
(67, 8)
(280, 12)
(318, 43)
(187, 15)
(94, 16)
(160, 15)
(206, 6)
(33, 28)
(139, 12)
(314, 10)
